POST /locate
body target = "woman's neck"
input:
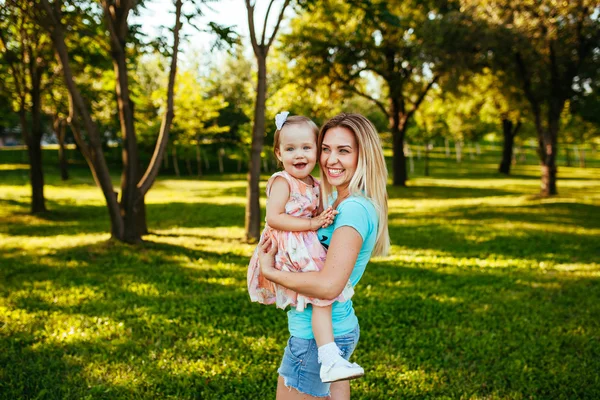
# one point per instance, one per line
(342, 194)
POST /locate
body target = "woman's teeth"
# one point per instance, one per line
(335, 171)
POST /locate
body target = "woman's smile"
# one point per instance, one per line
(339, 156)
(334, 172)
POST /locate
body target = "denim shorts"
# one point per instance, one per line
(300, 366)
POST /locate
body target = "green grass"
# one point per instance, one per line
(489, 292)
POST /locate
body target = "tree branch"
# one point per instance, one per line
(526, 81)
(417, 103)
(250, 10)
(264, 32)
(279, 19)
(516, 130)
(112, 23)
(163, 139)
(378, 103)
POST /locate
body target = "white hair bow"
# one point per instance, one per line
(280, 119)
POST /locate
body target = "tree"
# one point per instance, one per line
(430, 124)
(547, 45)
(261, 50)
(490, 97)
(231, 79)
(201, 113)
(27, 54)
(125, 213)
(409, 45)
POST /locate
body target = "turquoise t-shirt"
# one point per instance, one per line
(359, 213)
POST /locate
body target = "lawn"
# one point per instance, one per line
(489, 292)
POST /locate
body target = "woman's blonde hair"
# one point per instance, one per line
(370, 177)
(291, 121)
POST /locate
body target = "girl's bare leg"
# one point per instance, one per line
(321, 325)
(333, 366)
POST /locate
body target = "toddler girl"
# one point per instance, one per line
(294, 214)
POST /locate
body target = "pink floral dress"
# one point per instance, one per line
(297, 251)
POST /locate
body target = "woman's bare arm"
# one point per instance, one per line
(278, 219)
(325, 284)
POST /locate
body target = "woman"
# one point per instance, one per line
(354, 180)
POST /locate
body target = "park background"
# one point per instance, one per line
(132, 191)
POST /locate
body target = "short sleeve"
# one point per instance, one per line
(354, 214)
(282, 174)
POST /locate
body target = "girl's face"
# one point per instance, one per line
(339, 156)
(298, 151)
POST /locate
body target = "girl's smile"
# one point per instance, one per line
(298, 152)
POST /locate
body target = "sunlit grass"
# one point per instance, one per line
(489, 292)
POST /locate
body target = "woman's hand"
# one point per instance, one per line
(266, 256)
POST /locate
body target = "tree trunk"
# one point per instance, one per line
(175, 161)
(188, 164)
(60, 126)
(141, 223)
(567, 156)
(427, 146)
(93, 153)
(34, 147)
(261, 49)
(36, 174)
(458, 150)
(549, 148)
(252, 218)
(398, 122)
(134, 183)
(507, 151)
(198, 159)
(399, 160)
(582, 157)
(220, 155)
(130, 201)
(206, 162)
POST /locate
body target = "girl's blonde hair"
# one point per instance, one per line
(291, 121)
(370, 177)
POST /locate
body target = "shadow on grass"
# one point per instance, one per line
(165, 320)
(477, 333)
(535, 232)
(65, 219)
(442, 192)
(170, 302)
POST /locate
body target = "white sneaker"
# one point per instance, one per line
(341, 370)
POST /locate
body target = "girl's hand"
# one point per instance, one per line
(266, 256)
(324, 219)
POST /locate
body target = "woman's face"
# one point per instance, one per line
(339, 156)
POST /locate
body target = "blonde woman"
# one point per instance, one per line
(354, 179)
